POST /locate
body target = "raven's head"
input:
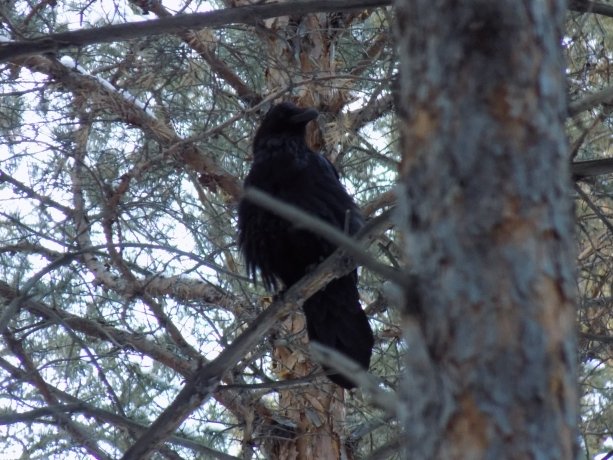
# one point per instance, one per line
(285, 120)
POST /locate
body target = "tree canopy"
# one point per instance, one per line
(122, 153)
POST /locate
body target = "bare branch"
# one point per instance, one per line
(242, 15)
(206, 380)
(586, 6)
(582, 169)
(590, 101)
(332, 234)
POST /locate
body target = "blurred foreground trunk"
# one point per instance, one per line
(485, 200)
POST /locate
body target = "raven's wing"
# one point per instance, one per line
(339, 209)
(280, 248)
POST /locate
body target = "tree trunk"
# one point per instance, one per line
(485, 200)
(305, 44)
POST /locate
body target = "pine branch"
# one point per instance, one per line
(249, 14)
(586, 6)
(207, 378)
(583, 169)
(590, 101)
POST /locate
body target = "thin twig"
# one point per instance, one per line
(594, 208)
(386, 400)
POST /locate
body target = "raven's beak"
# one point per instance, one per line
(304, 116)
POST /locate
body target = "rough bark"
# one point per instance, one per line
(485, 201)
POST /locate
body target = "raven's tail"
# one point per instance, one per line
(335, 318)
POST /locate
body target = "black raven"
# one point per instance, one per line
(285, 167)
